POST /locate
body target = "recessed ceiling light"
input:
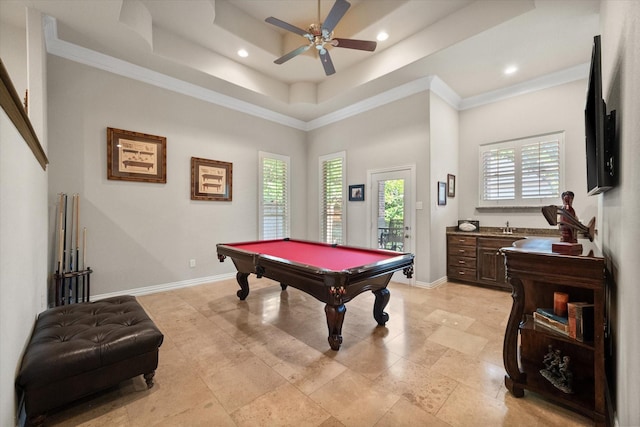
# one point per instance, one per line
(510, 70)
(382, 36)
(243, 53)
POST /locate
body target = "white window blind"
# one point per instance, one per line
(522, 172)
(332, 198)
(541, 169)
(499, 174)
(274, 196)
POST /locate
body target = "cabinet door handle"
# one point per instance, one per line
(461, 262)
(461, 251)
(461, 273)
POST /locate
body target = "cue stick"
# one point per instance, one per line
(84, 247)
(77, 196)
(73, 257)
(60, 234)
(64, 235)
(72, 224)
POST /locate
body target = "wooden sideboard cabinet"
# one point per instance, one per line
(477, 259)
(491, 269)
(461, 257)
(535, 273)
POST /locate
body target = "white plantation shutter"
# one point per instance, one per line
(541, 169)
(332, 199)
(274, 196)
(522, 172)
(499, 174)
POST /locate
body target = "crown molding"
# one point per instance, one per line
(89, 57)
(544, 82)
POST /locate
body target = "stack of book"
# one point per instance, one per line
(581, 321)
(546, 317)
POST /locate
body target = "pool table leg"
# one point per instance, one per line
(335, 317)
(382, 299)
(243, 281)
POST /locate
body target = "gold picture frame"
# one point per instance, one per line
(135, 156)
(211, 180)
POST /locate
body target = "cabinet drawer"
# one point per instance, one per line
(461, 240)
(461, 273)
(462, 251)
(461, 262)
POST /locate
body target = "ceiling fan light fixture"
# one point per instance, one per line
(242, 53)
(321, 33)
(382, 36)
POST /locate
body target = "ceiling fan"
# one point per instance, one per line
(320, 34)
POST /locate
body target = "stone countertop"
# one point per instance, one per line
(497, 232)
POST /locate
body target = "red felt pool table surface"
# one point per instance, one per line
(321, 256)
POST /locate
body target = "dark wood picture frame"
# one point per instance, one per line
(451, 185)
(356, 193)
(442, 193)
(135, 156)
(211, 180)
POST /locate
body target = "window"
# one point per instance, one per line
(522, 172)
(274, 196)
(332, 198)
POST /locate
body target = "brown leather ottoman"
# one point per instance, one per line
(79, 349)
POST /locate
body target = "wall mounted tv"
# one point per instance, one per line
(600, 129)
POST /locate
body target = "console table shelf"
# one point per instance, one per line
(535, 273)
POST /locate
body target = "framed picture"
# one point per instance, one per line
(134, 156)
(442, 193)
(356, 193)
(451, 185)
(211, 179)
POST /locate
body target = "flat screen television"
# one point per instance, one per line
(599, 131)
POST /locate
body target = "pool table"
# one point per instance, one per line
(333, 274)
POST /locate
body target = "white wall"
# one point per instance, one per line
(560, 108)
(144, 234)
(23, 227)
(396, 134)
(443, 146)
(620, 25)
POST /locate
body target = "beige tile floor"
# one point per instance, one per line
(266, 362)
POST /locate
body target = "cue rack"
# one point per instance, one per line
(72, 277)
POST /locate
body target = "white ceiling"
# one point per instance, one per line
(466, 44)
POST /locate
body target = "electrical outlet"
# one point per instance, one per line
(192, 263)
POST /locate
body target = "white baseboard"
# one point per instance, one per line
(212, 279)
(441, 281)
(165, 286)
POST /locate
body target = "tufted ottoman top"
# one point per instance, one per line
(76, 338)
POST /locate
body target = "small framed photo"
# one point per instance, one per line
(451, 185)
(211, 180)
(356, 193)
(442, 193)
(134, 156)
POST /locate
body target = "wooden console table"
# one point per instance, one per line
(535, 273)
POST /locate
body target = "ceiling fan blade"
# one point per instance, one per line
(335, 15)
(286, 26)
(291, 54)
(327, 63)
(355, 44)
